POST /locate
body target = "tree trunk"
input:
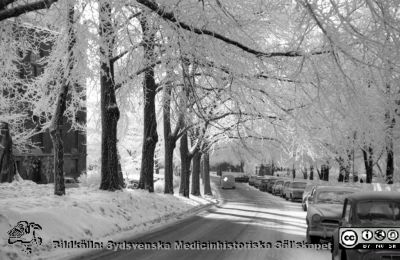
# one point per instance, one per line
(305, 173)
(61, 105)
(389, 148)
(341, 169)
(368, 162)
(110, 177)
(196, 174)
(389, 163)
(56, 136)
(185, 166)
(150, 136)
(242, 167)
(206, 165)
(219, 170)
(7, 162)
(202, 170)
(169, 170)
(169, 141)
(320, 173)
(272, 168)
(311, 172)
(325, 172)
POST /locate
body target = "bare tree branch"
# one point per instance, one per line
(170, 16)
(25, 8)
(4, 3)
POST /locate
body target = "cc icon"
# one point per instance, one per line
(349, 238)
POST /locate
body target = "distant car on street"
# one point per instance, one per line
(324, 211)
(259, 180)
(242, 178)
(271, 184)
(295, 190)
(265, 182)
(277, 188)
(228, 181)
(368, 209)
(252, 179)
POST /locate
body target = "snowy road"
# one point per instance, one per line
(246, 215)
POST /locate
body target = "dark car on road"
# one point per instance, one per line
(277, 188)
(369, 210)
(325, 210)
(227, 181)
(242, 178)
(264, 183)
(271, 184)
(252, 179)
(295, 190)
(258, 180)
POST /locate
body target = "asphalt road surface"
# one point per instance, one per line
(246, 216)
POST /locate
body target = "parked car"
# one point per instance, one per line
(285, 188)
(259, 180)
(252, 179)
(70, 182)
(264, 183)
(242, 178)
(277, 188)
(228, 181)
(295, 190)
(324, 211)
(368, 209)
(306, 194)
(271, 184)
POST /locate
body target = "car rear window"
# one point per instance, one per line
(379, 211)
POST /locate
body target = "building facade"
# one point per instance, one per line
(37, 164)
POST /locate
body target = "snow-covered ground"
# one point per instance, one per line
(85, 213)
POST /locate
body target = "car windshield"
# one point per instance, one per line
(299, 185)
(379, 212)
(336, 197)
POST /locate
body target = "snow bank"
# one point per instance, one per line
(85, 213)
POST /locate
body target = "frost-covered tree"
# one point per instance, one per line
(111, 177)
(364, 40)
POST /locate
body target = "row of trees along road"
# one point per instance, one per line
(307, 80)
